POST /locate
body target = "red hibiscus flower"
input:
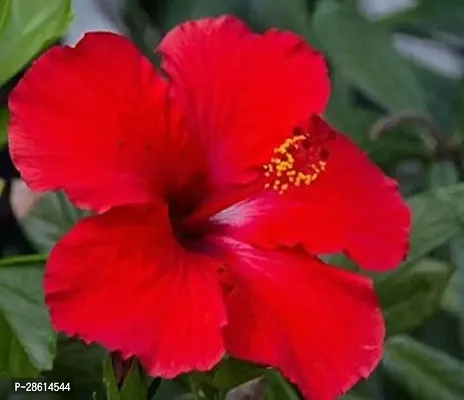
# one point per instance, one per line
(215, 186)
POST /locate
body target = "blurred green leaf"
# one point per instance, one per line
(458, 123)
(443, 173)
(5, 388)
(3, 125)
(167, 14)
(26, 28)
(49, 220)
(344, 113)
(441, 96)
(232, 372)
(293, 15)
(78, 363)
(133, 387)
(355, 121)
(412, 294)
(365, 389)
(27, 344)
(454, 296)
(170, 389)
(426, 373)
(364, 53)
(445, 15)
(436, 218)
(350, 396)
(455, 292)
(277, 388)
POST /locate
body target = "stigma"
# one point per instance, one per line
(300, 159)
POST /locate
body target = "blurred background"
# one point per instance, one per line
(398, 91)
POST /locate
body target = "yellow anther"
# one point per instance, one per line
(296, 162)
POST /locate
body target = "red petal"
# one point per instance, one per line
(240, 92)
(319, 325)
(91, 120)
(351, 206)
(120, 279)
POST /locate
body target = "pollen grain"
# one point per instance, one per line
(298, 161)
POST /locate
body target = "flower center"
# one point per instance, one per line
(300, 159)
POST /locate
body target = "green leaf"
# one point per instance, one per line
(227, 375)
(293, 15)
(364, 53)
(436, 218)
(77, 362)
(49, 220)
(27, 342)
(350, 396)
(443, 173)
(26, 28)
(5, 388)
(133, 387)
(445, 15)
(441, 95)
(173, 12)
(355, 121)
(454, 296)
(277, 388)
(458, 121)
(412, 294)
(170, 389)
(3, 125)
(232, 372)
(426, 373)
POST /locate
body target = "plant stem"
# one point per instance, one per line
(24, 260)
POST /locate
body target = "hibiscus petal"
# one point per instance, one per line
(319, 325)
(91, 120)
(351, 207)
(120, 279)
(241, 93)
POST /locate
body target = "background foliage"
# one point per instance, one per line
(408, 118)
